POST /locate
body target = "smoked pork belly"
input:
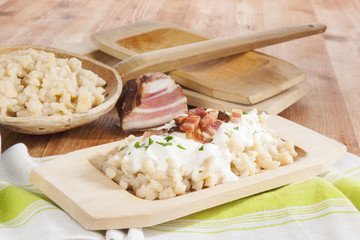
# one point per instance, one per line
(150, 101)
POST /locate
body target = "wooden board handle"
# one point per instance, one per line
(172, 58)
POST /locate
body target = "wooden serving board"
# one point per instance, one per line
(272, 105)
(97, 202)
(246, 78)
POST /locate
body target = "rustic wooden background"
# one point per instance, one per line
(331, 61)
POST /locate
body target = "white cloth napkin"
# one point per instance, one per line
(324, 207)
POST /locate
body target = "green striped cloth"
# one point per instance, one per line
(323, 207)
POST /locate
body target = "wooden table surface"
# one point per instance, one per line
(330, 61)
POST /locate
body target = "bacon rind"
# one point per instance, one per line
(123, 105)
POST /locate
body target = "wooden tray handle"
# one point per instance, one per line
(168, 59)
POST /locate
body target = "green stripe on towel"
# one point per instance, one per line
(305, 201)
(14, 200)
(309, 192)
(350, 188)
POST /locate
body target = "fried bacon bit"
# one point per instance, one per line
(199, 111)
(190, 124)
(179, 120)
(236, 116)
(211, 130)
(174, 129)
(223, 116)
(198, 136)
(198, 121)
(209, 119)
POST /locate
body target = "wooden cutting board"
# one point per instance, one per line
(246, 78)
(272, 105)
(96, 202)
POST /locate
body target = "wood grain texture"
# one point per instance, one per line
(209, 66)
(181, 48)
(331, 62)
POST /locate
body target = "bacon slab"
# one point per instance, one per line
(149, 101)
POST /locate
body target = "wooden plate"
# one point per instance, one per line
(246, 78)
(272, 105)
(97, 202)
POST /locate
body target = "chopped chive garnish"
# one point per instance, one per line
(150, 142)
(254, 132)
(227, 134)
(122, 148)
(201, 148)
(236, 128)
(181, 147)
(200, 171)
(137, 145)
(244, 113)
(224, 112)
(164, 144)
(129, 153)
(168, 138)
